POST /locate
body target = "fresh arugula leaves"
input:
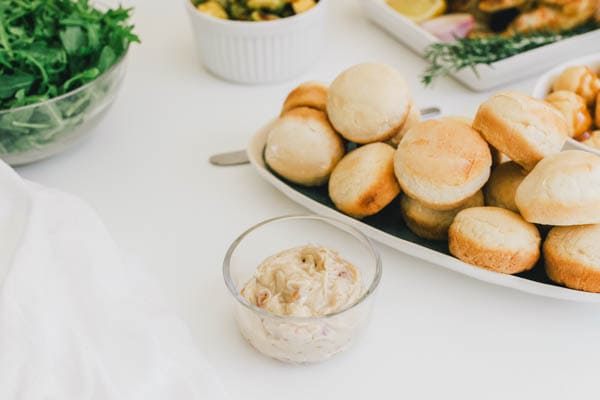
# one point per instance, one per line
(49, 47)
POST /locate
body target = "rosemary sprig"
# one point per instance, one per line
(447, 58)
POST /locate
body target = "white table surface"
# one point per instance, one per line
(434, 335)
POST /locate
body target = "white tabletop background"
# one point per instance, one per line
(435, 334)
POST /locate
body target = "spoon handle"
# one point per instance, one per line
(232, 158)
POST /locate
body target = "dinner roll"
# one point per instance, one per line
(414, 117)
(442, 163)
(494, 238)
(363, 182)
(501, 188)
(311, 94)
(574, 109)
(461, 118)
(433, 224)
(563, 189)
(572, 256)
(303, 147)
(591, 139)
(368, 103)
(497, 157)
(523, 128)
(579, 79)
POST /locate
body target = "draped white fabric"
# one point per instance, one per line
(77, 320)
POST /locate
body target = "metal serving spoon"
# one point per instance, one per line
(240, 157)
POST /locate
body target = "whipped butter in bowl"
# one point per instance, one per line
(302, 285)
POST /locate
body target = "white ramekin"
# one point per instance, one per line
(544, 86)
(259, 52)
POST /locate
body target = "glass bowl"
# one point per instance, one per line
(31, 133)
(300, 339)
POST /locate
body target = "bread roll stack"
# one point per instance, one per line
(442, 169)
(368, 103)
(564, 191)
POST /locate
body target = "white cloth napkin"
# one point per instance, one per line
(77, 321)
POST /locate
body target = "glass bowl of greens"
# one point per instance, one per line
(61, 65)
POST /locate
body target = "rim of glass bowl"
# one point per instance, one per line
(348, 228)
(295, 17)
(99, 78)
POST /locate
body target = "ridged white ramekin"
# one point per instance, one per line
(259, 52)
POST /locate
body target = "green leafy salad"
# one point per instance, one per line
(49, 48)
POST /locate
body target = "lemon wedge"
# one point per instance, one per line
(419, 10)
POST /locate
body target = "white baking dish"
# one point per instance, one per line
(413, 246)
(259, 52)
(487, 77)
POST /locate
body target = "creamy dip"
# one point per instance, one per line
(304, 281)
(309, 283)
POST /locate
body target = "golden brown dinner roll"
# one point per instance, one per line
(442, 163)
(414, 117)
(303, 147)
(563, 189)
(574, 109)
(501, 188)
(311, 94)
(572, 256)
(363, 182)
(523, 128)
(579, 79)
(497, 157)
(460, 118)
(494, 238)
(368, 102)
(433, 224)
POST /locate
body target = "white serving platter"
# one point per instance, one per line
(424, 250)
(497, 74)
